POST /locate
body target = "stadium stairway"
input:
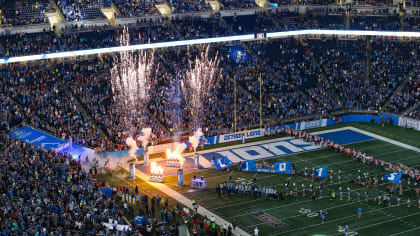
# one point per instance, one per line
(2, 49)
(242, 83)
(368, 62)
(44, 124)
(322, 73)
(397, 90)
(84, 111)
(410, 109)
(178, 34)
(58, 11)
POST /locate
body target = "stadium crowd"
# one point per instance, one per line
(52, 194)
(307, 78)
(293, 87)
(33, 12)
(296, 78)
(76, 37)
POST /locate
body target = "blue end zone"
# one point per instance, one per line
(346, 136)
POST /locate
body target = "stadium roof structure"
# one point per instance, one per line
(59, 55)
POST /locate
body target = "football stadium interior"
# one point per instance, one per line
(210, 117)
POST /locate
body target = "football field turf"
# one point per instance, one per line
(301, 214)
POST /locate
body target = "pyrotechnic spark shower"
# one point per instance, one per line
(131, 79)
(199, 79)
(173, 108)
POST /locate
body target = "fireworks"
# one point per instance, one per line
(199, 79)
(173, 108)
(131, 80)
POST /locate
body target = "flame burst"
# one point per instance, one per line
(155, 169)
(172, 156)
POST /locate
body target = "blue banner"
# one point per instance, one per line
(320, 172)
(248, 166)
(132, 171)
(222, 163)
(283, 167)
(39, 138)
(311, 124)
(107, 192)
(393, 177)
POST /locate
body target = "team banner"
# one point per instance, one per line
(222, 163)
(283, 167)
(320, 172)
(248, 166)
(160, 148)
(39, 138)
(238, 136)
(279, 167)
(409, 123)
(311, 124)
(394, 177)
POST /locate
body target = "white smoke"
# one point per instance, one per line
(195, 139)
(133, 146)
(179, 148)
(144, 139)
(112, 162)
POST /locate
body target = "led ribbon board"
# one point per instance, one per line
(206, 41)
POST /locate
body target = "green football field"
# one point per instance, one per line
(300, 215)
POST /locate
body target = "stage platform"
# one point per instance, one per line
(170, 171)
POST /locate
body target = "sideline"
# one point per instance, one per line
(406, 146)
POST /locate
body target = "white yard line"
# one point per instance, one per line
(383, 222)
(220, 221)
(385, 139)
(307, 180)
(332, 130)
(301, 214)
(340, 153)
(296, 203)
(405, 231)
(321, 132)
(304, 180)
(346, 217)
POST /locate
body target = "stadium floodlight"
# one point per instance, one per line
(207, 41)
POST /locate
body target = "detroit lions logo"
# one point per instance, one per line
(222, 165)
